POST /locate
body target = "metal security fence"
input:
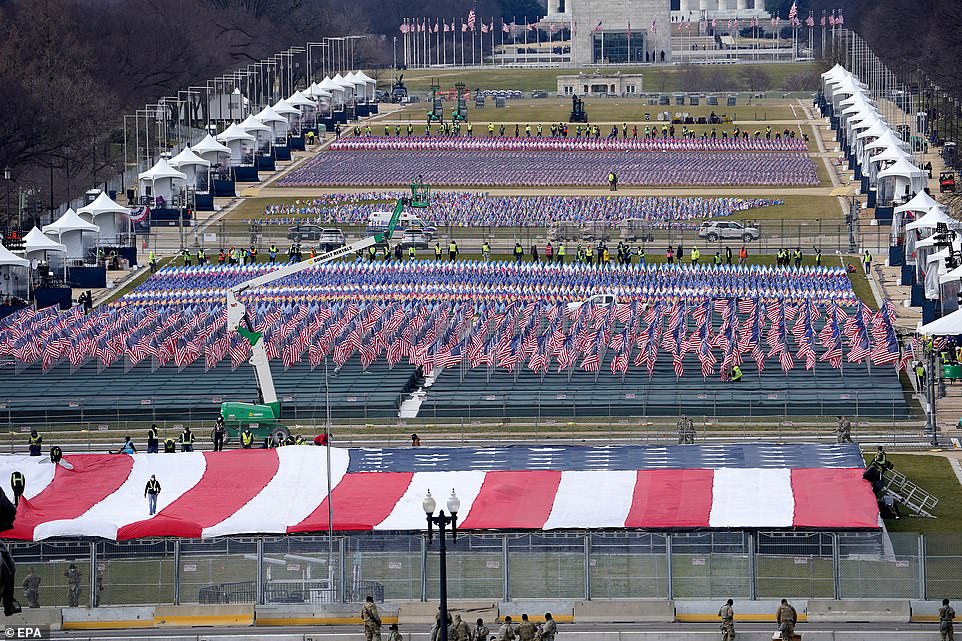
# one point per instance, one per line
(504, 566)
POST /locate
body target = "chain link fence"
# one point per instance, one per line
(544, 565)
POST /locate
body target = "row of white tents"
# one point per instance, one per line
(237, 144)
(67, 240)
(931, 259)
(882, 156)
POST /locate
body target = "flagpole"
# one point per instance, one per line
(526, 37)
(473, 58)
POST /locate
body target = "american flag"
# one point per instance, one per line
(793, 12)
(597, 27)
(471, 19)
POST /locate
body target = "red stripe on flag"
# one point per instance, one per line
(833, 498)
(361, 501)
(513, 501)
(671, 499)
(71, 493)
(230, 481)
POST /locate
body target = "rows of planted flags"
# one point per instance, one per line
(534, 143)
(471, 314)
(569, 167)
(467, 209)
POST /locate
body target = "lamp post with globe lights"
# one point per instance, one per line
(442, 520)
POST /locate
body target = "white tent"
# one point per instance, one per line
(163, 182)
(347, 85)
(291, 113)
(950, 325)
(364, 86)
(921, 202)
(195, 168)
(932, 218)
(211, 150)
(69, 231)
(338, 93)
(261, 132)
(902, 179)
(297, 99)
(40, 248)
(887, 139)
(15, 280)
(890, 154)
(874, 132)
(35, 244)
(240, 143)
(277, 124)
(112, 218)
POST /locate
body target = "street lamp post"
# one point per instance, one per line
(442, 521)
(7, 177)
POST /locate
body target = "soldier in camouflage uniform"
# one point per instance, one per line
(372, 620)
(946, 617)
(550, 628)
(727, 615)
(31, 589)
(526, 629)
(73, 580)
(787, 618)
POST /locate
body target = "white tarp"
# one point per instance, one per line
(950, 325)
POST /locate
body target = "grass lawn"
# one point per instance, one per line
(796, 208)
(664, 78)
(934, 475)
(548, 110)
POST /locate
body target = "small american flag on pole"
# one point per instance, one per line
(598, 26)
(793, 12)
(472, 18)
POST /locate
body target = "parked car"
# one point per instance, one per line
(713, 230)
(331, 239)
(414, 238)
(304, 232)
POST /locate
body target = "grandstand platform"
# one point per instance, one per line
(852, 390)
(193, 393)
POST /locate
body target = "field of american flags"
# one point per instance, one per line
(703, 319)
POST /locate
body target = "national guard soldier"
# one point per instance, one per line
(526, 629)
(727, 615)
(682, 428)
(31, 589)
(786, 618)
(946, 617)
(550, 628)
(247, 438)
(18, 483)
(395, 635)
(73, 580)
(844, 430)
(506, 633)
(371, 619)
(689, 431)
(461, 630)
(481, 631)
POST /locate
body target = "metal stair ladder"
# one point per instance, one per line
(909, 494)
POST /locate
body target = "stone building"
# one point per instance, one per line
(600, 84)
(615, 31)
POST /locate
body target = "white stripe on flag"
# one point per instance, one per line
(752, 498)
(176, 474)
(37, 472)
(298, 487)
(595, 499)
(408, 513)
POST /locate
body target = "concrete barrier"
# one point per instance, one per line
(746, 611)
(326, 614)
(562, 611)
(640, 611)
(859, 611)
(925, 611)
(416, 612)
(51, 617)
(187, 616)
(108, 618)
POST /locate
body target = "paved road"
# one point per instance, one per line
(335, 633)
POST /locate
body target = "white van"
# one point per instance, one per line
(377, 221)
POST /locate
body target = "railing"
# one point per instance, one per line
(562, 565)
